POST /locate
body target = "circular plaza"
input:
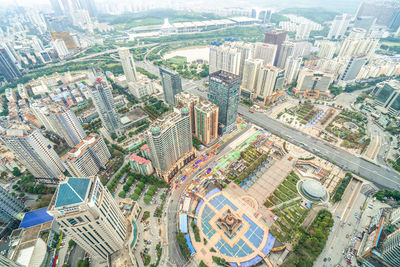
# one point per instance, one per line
(231, 230)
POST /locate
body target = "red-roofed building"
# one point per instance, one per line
(141, 165)
(145, 151)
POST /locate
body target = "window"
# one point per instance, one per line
(79, 218)
(72, 221)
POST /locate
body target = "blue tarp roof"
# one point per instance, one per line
(183, 223)
(269, 245)
(189, 243)
(35, 217)
(72, 192)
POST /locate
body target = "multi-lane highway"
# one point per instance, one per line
(381, 176)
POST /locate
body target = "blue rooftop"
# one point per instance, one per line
(72, 192)
(35, 217)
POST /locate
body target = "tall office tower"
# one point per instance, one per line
(266, 52)
(275, 37)
(8, 67)
(250, 76)
(88, 157)
(61, 48)
(303, 31)
(104, 103)
(206, 121)
(384, 11)
(287, 50)
(263, 14)
(87, 212)
(57, 7)
(171, 83)
(226, 58)
(387, 95)
(327, 49)
(33, 151)
(355, 47)
(312, 83)
(184, 99)
(270, 80)
(391, 249)
(170, 143)
(128, 64)
(339, 26)
(224, 92)
(353, 68)
(61, 121)
(10, 207)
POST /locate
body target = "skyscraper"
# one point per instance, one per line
(88, 157)
(353, 68)
(170, 143)
(339, 26)
(266, 52)
(8, 68)
(206, 121)
(33, 151)
(87, 212)
(104, 102)
(10, 207)
(292, 69)
(184, 99)
(391, 249)
(60, 120)
(128, 64)
(250, 76)
(275, 37)
(327, 49)
(225, 57)
(385, 12)
(270, 80)
(287, 50)
(171, 83)
(224, 92)
(358, 46)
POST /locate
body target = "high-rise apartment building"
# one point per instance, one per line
(185, 99)
(170, 143)
(60, 120)
(128, 64)
(358, 46)
(171, 83)
(206, 121)
(88, 157)
(327, 49)
(33, 151)
(61, 48)
(292, 69)
(339, 26)
(275, 37)
(8, 67)
(266, 52)
(303, 31)
(87, 212)
(391, 249)
(270, 80)
(287, 50)
(141, 165)
(104, 102)
(250, 77)
(364, 22)
(225, 57)
(10, 207)
(224, 92)
(312, 83)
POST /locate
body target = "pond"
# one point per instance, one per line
(191, 53)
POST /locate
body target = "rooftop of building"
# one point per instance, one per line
(145, 147)
(206, 106)
(186, 97)
(77, 151)
(224, 76)
(167, 120)
(36, 217)
(134, 116)
(139, 159)
(73, 191)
